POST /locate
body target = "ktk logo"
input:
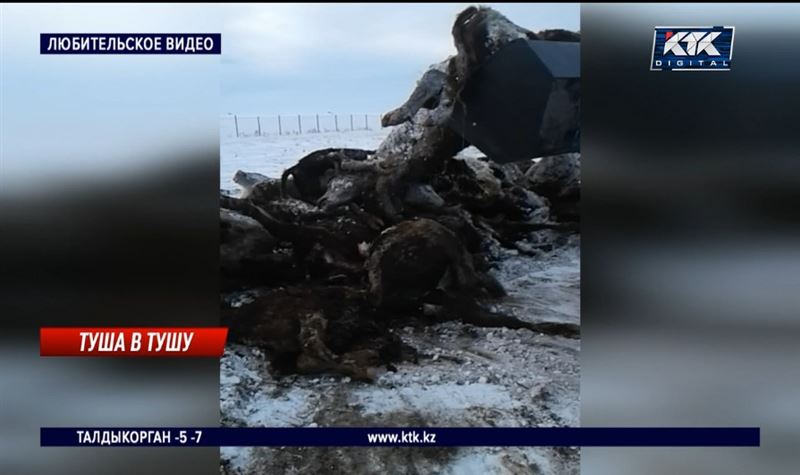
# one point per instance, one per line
(698, 48)
(696, 43)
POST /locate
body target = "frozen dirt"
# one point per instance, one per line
(466, 376)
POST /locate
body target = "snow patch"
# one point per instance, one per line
(433, 400)
(501, 31)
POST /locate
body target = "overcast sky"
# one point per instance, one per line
(345, 57)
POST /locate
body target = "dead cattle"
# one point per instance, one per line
(312, 173)
(414, 258)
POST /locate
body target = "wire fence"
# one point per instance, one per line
(295, 124)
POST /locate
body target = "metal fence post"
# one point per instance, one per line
(260, 129)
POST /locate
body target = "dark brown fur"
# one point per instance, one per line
(313, 329)
(414, 257)
(334, 240)
(312, 173)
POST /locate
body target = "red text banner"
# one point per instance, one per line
(119, 341)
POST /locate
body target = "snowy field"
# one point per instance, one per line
(466, 376)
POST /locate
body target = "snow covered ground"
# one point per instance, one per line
(466, 376)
